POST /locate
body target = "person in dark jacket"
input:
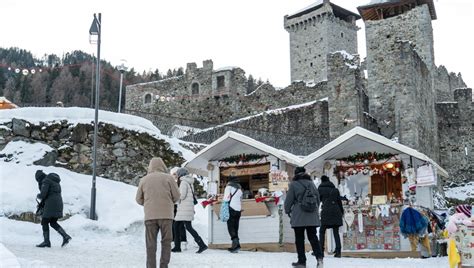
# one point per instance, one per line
(50, 195)
(302, 220)
(331, 214)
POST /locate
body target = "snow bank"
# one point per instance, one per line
(462, 192)
(76, 115)
(8, 259)
(24, 152)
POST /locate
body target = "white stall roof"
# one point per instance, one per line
(360, 140)
(233, 143)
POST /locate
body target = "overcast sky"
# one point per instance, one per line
(168, 34)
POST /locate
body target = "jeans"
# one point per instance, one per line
(182, 232)
(313, 240)
(189, 227)
(233, 223)
(152, 228)
(337, 238)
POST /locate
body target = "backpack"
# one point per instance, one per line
(309, 200)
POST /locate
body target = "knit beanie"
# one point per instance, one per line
(39, 175)
(466, 209)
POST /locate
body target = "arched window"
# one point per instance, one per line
(147, 98)
(195, 88)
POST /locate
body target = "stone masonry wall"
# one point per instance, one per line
(123, 155)
(445, 83)
(414, 26)
(401, 97)
(456, 128)
(312, 37)
(300, 130)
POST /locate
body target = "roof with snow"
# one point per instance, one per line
(382, 9)
(360, 140)
(6, 104)
(337, 10)
(233, 143)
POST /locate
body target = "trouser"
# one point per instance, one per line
(152, 228)
(337, 238)
(182, 232)
(233, 223)
(51, 221)
(425, 242)
(189, 227)
(313, 240)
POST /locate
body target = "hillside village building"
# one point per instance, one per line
(397, 91)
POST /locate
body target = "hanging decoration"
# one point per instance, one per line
(242, 158)
(370, 156)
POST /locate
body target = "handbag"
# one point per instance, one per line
(224, 214)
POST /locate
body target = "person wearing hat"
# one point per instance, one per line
(302, 206)
(185, 213)
(233, 194)
(50, 196)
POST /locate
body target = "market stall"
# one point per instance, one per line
(377, 178)
(263, 174)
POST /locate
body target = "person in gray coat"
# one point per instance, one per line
(50, 196)
(302, 220)
(185, 212)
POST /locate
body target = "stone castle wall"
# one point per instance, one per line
(456, 128)
(445, 83)
(300, 130)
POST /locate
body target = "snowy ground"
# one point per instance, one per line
(117, 238)
(461, 192)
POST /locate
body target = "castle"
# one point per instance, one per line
(398, 91)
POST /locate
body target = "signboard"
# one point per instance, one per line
(278, 180)
(425, 176)
(379, 199)
(243, 171)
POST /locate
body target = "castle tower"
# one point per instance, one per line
(315, 31)
(400, 65)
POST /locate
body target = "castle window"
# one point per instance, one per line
(342, 35)
(220, 82)
(311, 64)
(148, 98)
(195, 88)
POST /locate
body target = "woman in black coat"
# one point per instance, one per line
(331, 214)
(50, 196)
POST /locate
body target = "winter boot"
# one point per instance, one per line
(235, 246)
(66, 237)
(46, 243)
(176, 249)
(320, 264)
(298, 264)
(202, 246)
(337, 254)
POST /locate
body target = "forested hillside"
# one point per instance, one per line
(27, 80)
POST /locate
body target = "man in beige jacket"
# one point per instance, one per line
(157, 192)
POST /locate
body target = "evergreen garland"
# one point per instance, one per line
(243, 158)
(371, 156)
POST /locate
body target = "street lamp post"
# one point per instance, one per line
(122, 68)
(95, 30)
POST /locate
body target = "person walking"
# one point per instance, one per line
(331, 214)
(233, 195)
(157, 192)
(52, 202)
(185, 214)
(182, 230)
(302, 206)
